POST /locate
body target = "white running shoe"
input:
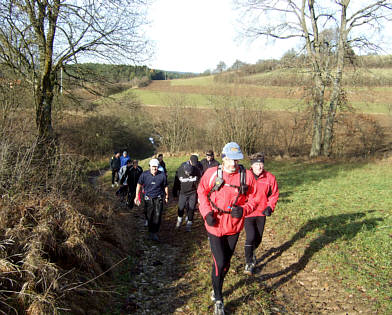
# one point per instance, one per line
(146, 223)
(189, 226)
(249, 269)
(179, 221)
(219, 308)
(212, 296)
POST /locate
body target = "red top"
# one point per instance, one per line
(267, 189)
(224, 198)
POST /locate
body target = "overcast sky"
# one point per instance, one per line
(193, 36)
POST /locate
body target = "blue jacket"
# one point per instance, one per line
(124, 160)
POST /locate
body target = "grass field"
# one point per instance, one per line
(336, 215)
(198, 93)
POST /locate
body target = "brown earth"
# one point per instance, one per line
(370, 95)
(173, 276)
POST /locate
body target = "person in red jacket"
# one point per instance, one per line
(267, 189)
(226, 194)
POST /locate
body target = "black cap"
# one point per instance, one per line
(194, 159)
(210, 153)
(257, 158)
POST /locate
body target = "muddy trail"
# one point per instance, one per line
(172, 276)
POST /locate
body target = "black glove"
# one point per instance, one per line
(267, 211)
(210, 219)
(237, 212)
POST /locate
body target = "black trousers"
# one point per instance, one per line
(153, 211)
(188, 202)
(114, 176)
(222, 249)
(254, 228)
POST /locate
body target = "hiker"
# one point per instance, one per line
(226, 194)
(186, 181)
(123, 190)
(162, 163)
(124, 158)
(131, 177)
(268, 192)
(208, 161)
(115, 165)
(156, 191)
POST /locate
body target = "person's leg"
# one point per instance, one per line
(157, 214)
(192, 200)
(251, 236)
(149, 212)
(222, 249)
(131, 197)
(181, 206)
(260, 223)
(113, 176)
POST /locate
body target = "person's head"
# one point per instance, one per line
(154, 163)
(210, 155)
(194, 160)
(117, 154)
(135, 163)
(231, 154)
(125, 153)
(160, 157)
(257, 163)
(129, 163)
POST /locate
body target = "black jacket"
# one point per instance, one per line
(207, 164)
(186, 184)
(131, 175)
(115, 163)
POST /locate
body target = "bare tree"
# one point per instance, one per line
(38, 37)
(313, 21)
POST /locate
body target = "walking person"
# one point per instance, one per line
(268, 192)
(186, 181)
(131, 177)
(115, 165)
(124, 158)
(209, 161)
(162, 163)
(122, 192)
(226, 194)
(156, 192)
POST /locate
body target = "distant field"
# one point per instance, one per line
(198, 93)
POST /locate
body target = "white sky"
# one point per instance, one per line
(195, 35)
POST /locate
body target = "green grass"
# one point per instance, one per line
(198, 81)
(341, 215)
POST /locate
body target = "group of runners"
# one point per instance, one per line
(230, 198)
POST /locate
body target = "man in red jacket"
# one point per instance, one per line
(226, 193)
(268, 192)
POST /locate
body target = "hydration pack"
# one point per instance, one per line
(219, 182)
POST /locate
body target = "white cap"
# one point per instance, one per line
(154, 162)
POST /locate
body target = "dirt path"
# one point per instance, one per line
(173, 276)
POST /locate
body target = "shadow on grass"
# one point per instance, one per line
(343, 226)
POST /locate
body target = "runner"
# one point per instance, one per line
(209, 161)
(186, 181)
(131, 177)
(124, 158)
(115, 164)
(268, 192)
(226, 193)
(156, 191)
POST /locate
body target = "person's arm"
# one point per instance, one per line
(273, 194)
(167, 194)
(137, 200)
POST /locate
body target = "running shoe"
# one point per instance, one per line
(249, 269)
(219, 309)
(189, 226)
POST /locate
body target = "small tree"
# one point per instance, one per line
(37, 38)
(220, 67)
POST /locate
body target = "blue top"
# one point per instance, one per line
(124, 160)
(154, 186)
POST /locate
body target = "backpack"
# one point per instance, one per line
(219, 182)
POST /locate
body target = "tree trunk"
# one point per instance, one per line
(337, 83)
(318, 104)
